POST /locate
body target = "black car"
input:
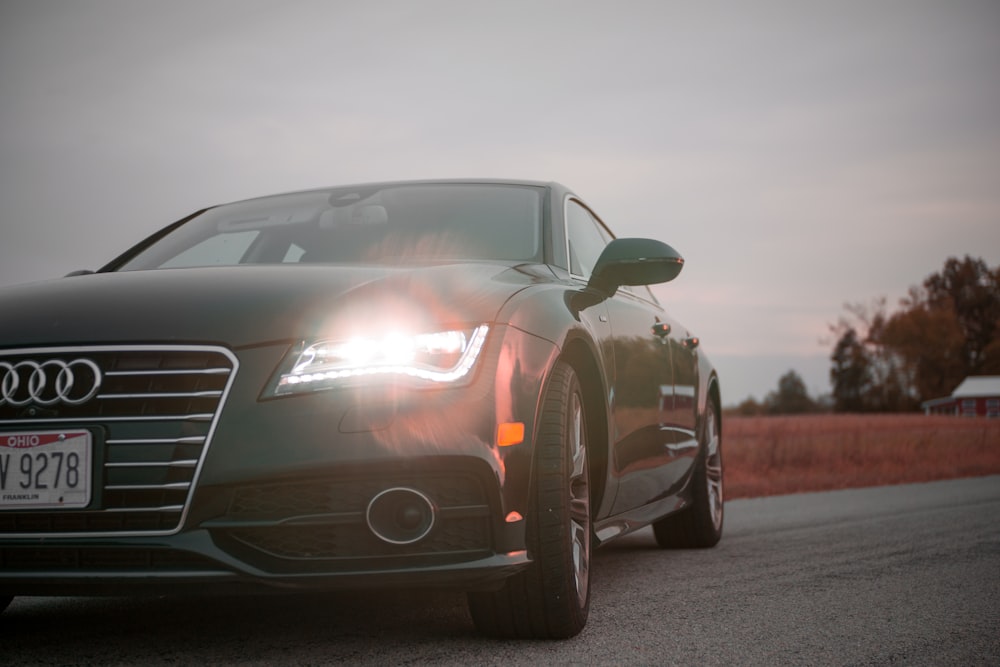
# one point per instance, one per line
(461, 384)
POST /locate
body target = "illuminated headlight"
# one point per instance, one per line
(439, 357)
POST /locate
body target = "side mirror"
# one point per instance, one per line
(634, 262)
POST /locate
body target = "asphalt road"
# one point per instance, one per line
(893, 575)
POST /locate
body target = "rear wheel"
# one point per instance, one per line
(700, 524)
(551, 599)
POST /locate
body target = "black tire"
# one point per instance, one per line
(699, 525)
(550, 599)
(5, 601)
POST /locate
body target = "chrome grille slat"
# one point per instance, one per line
(152, 422)
(150, 487)
(160, 373)
(176, 464)
(196, 394)
(164, 508)
(191, 440)
(91, 420)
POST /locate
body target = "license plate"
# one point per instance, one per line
(45, 469)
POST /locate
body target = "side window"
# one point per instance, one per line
(587, 238)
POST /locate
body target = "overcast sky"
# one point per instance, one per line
(800, 155)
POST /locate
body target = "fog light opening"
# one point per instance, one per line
(401, 515)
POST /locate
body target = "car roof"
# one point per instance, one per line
(551, 185)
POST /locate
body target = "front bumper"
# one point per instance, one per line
(301, 532)
(284, 486)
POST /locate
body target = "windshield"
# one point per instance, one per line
(367, 225)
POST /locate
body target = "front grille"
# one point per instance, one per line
(151, 419)
(324, 520)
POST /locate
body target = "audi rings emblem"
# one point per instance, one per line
(49, 382)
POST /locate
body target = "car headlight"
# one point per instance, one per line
(439, 357)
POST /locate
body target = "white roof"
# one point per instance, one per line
(983, 385)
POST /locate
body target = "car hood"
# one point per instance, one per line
(249, 305)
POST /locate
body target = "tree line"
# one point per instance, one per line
(944, 330)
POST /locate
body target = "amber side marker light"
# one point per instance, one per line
(510, 433)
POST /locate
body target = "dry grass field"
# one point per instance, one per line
(775, 455)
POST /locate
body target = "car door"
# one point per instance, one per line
(654, 407)
(682, 418)
(639, 342)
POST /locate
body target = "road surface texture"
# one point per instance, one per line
(893, 575)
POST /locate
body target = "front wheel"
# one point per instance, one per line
(699, 525)
(551, 599)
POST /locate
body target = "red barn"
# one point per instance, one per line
(975, 397)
